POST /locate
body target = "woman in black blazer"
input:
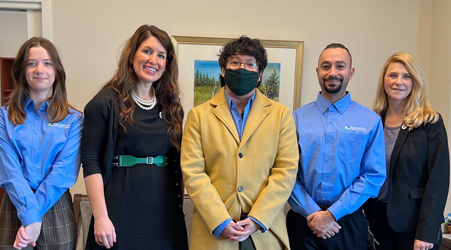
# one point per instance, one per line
(408, 211)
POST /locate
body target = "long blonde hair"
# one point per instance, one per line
(418, 110)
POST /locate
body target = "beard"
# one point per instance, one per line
(337, 88)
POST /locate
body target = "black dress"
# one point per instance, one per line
(143, 201)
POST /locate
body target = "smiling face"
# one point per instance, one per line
(40, 73)
(397, 83)
(149, 61)
(334, 72)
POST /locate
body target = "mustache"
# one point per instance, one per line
(333, 78)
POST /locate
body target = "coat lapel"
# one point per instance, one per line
(403, 132)
(259, 110)
(222, 112)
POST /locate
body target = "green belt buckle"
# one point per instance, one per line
(129, 161)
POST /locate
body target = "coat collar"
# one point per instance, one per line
(259, 110)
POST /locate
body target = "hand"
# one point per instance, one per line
(104, 232)
(233, 230)
(422, 245)
(22, 239)
(323, 224)
(249, 226)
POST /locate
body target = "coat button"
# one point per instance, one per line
(240, 155)
(240, 189)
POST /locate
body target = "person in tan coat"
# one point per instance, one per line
(239, 158)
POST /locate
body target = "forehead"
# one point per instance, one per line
(397, 66)
(38, 52)
(335, 55)
(153, 43)
(241, 58)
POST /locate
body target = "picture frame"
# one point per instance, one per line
(289, 54)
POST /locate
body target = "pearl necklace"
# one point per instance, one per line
(146, 105)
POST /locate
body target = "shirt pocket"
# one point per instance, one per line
(351, 147)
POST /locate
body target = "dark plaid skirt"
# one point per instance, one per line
(58, 230)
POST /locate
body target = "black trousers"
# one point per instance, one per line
(386, 236)
(352, 235)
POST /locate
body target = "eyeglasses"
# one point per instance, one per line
(247, 65)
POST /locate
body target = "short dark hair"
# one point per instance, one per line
(337, 46)
(244, 46)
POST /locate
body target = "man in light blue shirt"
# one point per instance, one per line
(341, 162)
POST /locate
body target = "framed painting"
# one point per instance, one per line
(199, 69)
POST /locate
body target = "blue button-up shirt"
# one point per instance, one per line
(342, 156)
(39, 161)
(240, 124)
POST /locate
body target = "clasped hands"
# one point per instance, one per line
(27, 235)
(240, 230)
(323, 224)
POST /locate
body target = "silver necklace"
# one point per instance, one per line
(146, 105)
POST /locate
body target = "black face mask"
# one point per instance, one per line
(240, 81)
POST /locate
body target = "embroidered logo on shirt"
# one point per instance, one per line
(357, 129)
(58, 125)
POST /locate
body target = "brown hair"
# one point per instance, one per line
(58, 106)
(166, 88)
(418, 110)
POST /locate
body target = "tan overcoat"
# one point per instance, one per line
(225, 176)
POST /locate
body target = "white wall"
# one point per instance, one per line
(13, 31)
(440, 84)
(89, 35)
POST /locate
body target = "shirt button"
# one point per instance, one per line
(176, 184)
(175, 171)
(323, 198)
(328, 139)
(34, 149)
(330, 122)
(180, 205)
(240, 155)
(326, 159)
(178, 196)
(324, 179)
(240, 189)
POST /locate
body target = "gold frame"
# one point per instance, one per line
(298, 45)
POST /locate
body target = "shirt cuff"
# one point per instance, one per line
(218, 230)
(30, 216)
(263, 228)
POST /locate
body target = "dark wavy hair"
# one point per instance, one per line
(244, 46)
(58, 105)
(166, 88)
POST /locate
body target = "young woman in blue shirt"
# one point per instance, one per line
(40, 137)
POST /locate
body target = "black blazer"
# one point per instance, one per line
(419, 180)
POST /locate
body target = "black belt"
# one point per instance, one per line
(324, 208)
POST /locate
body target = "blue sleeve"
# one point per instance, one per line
(371, 177)
(12, 177)
(263, 228)
(300, 200)
(65, 168)
(218, 230)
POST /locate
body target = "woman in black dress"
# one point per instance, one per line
(130, 150)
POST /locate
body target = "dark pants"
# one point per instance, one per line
(386, 236)
(248, 244)
(352, 235)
